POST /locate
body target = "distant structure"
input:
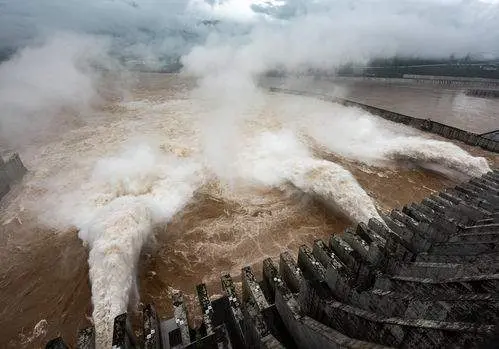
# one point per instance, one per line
(483, 93)
(11, 170)
(488, 141)
(452, 80)
(396, 67)
(426, 277)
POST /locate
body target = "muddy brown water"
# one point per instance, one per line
(445, 104)
(44, 285)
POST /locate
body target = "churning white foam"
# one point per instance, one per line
(335, 186)
(131, 193)
(117, 200)
(428, 152)
(116, 236)
(356, 134)
(274, 158)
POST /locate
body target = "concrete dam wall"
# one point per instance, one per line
(444, 81)
(483, 93)
(486, 141)
(451, 80)
(426, 277)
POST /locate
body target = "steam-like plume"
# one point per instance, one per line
(230, 91)
(131, 193)
(356, 134)
(276, 158)
(42, 79)
(431, 152)
(334, 186)
(117, 234)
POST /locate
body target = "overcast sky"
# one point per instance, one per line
(324, 29)
(241, 40)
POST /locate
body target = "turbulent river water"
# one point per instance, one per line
(199, 196)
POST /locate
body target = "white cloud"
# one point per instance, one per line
(304, 30)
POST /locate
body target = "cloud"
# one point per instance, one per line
(326, 34)
(41, 80)
(227, 42)
(313, 31)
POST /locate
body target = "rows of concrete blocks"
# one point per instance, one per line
(11, 170)
(426, 277)
(452, 80)
(475, 92)
(485, 142)
(431, 126)
(455, 83)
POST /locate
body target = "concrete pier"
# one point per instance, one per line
(426, 278)
(11, 170)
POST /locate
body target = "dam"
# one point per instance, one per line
(422, 277)
(226, 225)
(445, 101)
(426, 278)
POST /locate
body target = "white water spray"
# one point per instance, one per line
(139, 189)
(356, 134)
(116, 237)
(335, 186)
(436, 154)
(273, 159)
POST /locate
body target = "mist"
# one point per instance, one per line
(43, 79)
(93, 175)
(276, 158)
(139, 188)
(58, 44)
(358, 135)
(288, 33)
